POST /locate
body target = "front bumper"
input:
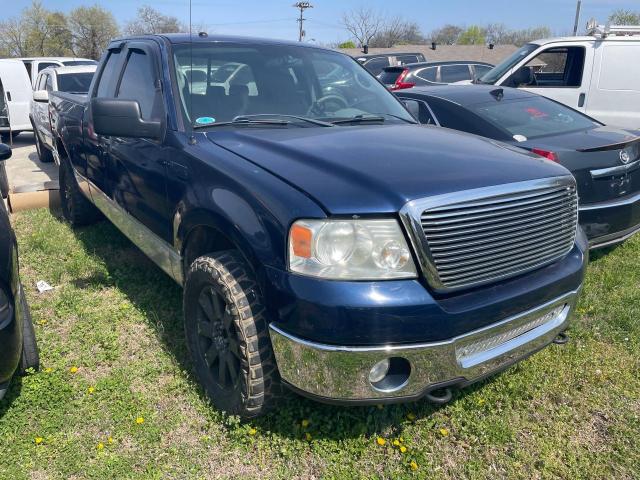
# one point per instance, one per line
(341, 373)
(611, 222)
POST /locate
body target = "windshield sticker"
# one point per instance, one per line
(520, 138)
(205, 120)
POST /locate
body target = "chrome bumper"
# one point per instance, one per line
(341, 373)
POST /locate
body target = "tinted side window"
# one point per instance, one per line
(558, 67)
(407, 59)
(375, 65)
(109, 76)
(480, 70)
(428, 74)
(139, 83)
(454, 73)
(453, 116)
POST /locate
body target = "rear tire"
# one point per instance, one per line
(4, 182)
(44, 154)
(226, 330)
(76, 208)
(30, 357)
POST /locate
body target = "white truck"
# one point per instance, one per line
(597, 74)
(35, 65)
(15, 97)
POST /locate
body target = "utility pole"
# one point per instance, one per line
(575, 23)
(302, 6)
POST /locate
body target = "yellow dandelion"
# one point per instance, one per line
(403, 449)
(396, 443)
(411, 416)
(401, 440)
(100, 446)
(48, 370)
(381, 441)
(139, 420)
(305, 423)
(110, 440)
(38, 440)
(413, 465)
(307, 436)
(481, 401)
(90, 390)
(444, 432)
(73, 369)
(252, 431)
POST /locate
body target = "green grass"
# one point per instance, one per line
(567, 412)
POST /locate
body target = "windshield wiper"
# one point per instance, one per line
(243, 121)
(282, 115)
(265, 119)
(360, 119)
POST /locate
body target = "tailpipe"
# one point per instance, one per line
(561, 339)
(439, 396)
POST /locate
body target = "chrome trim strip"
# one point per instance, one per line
(612, 171)
(611, 203)
(159, 251)
(411, 214)
(341, 372)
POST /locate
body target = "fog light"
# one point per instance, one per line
(379, 371)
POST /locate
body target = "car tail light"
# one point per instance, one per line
(400, 83)
(549, 155)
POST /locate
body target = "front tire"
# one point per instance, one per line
(76, 208)
(227, 335)
(4, 182)
(44, 154)
(30, 357)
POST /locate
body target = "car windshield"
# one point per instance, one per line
(493, 75)
(221, 82)
(533, 117)
(74, 82)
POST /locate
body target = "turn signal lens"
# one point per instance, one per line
(546, 154)
(301, 241)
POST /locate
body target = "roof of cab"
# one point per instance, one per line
(466, 94)
(72, 69)
(177, 38)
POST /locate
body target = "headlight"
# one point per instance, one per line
(350, 250)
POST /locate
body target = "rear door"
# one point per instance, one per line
(137, 165)
(16, 94)
(563, 73)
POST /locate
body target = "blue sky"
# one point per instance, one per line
(276, 18)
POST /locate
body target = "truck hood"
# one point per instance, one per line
(379, 168)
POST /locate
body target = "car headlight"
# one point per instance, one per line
(350, 250)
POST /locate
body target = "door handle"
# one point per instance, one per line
(581, 100)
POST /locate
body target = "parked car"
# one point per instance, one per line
(35, 65)
(18, 349)
(326, 243)
(604, 160)
(75, 80)
(15, 94)
(376, 62)
(596, 74)
(432, 73)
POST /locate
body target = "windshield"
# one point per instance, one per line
(220, 82)
(533, 117)
(75, 82)
(493, 75)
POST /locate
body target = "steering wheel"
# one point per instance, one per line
(319, 107)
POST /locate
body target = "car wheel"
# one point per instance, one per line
(44, 154)
(76, 208)
(227, 335)
(4, 182)
(30, 357)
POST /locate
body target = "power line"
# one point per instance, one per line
(302, 6)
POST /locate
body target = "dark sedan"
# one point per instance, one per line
(427, 74)
(18, 351)
(604, 160)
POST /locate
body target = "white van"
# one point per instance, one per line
(15, 97)
(598, 74)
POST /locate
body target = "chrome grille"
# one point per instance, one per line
(482, 235)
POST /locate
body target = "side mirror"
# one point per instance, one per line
(122, 118)
(522, 76)
(5, 152)
(40, 96)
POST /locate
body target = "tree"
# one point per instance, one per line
(363, 24)
(92, 28)
(396, 32)
(13, 38)
(624, 17)
(496, 33)
(447, 35)
(347, 44)
(149, 20)
(520, 37)
(474, 35)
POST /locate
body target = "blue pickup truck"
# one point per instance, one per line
(324, 240)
